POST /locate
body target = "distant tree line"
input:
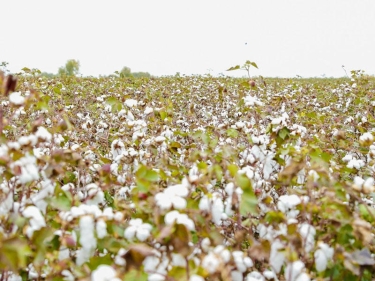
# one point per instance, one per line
(126, 72)
(71, 68)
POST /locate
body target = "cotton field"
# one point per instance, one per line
(187, 178)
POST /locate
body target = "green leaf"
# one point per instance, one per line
(14, 253)
(115, 104)
(233, 68)
(202, 166)
(69, 177)
(106, 160)
(163, 114)
(249, 200)
(151, 175)
(233, 169)
(367, 212)
(274, 217)
(57, 90)
(144, 178)
(254, 64)
(218, 172)
(178, 273)
(136, 275)
(42, 103)
(98, 260)
(245, 84)
(61, 202)
(284, 133)
(109, 199)
(111, 101)
(175, 144)
(232, 133)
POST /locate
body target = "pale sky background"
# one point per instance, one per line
(284, 37)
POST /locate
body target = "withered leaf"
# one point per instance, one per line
(136, 254)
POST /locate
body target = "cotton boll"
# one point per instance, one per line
(269, 274)
(277, 256)
(195, 277)
(347, 158)
(294, 270)
(172, 196)
(130, 116)
(131, 103)
(160, 139)
(214, 205)
(222, 252)
(287, 204)
(119, 259)
(87, 239)
(178, 260)
(242, 263)
(175, 216)
(117, 148)
(156, 266)
(358, 183)
(104, 273)
(321, 260)
(36, 220)
(307, 231)
(42, 133)
(322, 256)
(118, 216)
(7, 200)
(366, 139)
(368, 186)
(28, 168)
(229, 188)
(101, 229)
(148, 110)
(108, 213)
(236, 275)
(16, 98)
(95, 194)
(254, 276)
(205, 244)
(137, 229)
(303, 277)
(68, 276)
(211, 263)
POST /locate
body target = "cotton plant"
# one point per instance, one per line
(98, 195)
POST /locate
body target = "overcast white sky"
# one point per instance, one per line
(285, 38)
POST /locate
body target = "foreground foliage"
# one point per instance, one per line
(187, 178)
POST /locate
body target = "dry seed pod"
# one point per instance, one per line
(9, 84)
